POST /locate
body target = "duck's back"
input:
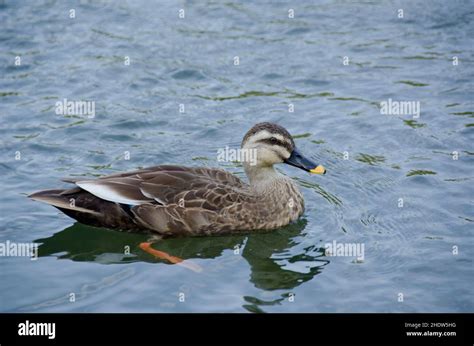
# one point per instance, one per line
(170, 200)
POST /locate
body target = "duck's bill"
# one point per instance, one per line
(298, 160)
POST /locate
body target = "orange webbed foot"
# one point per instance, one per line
(146, 246)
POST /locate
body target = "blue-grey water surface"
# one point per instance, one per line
(418, 256)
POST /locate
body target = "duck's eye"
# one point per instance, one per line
(273, 140)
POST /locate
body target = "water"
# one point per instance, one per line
(409, 250)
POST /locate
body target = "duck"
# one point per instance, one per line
(173, 200)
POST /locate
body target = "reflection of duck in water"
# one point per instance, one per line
(175, 200)
(274, 265)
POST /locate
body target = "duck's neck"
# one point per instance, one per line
(263, 179)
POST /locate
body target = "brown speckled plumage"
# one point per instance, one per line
(177, 201)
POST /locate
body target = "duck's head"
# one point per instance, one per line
(273, 144)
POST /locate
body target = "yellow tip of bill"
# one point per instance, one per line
(318, 170)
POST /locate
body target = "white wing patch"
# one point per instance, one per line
(108, 193)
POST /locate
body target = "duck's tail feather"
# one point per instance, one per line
(60, 200)
(87, 208)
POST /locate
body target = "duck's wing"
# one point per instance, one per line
(166, 185)
(171, 199)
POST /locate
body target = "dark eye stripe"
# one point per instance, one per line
(285, 145)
